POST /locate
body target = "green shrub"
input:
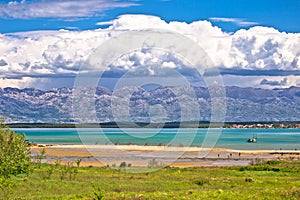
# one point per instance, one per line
(273, 162)
(97, 193)
(260, 167)
(201, 182)
(78, 161)
(249, 180)
(40, 157)
(123, 165)
(14, 153)
(49, 170)
(14, 158)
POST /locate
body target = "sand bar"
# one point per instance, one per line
(103, 155)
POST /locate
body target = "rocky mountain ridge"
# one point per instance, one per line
(160, 104)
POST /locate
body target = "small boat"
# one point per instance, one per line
(253, 139)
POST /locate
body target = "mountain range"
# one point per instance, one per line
(149, 105)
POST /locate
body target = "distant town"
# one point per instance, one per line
(265, 125)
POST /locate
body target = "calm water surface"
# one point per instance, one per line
(229, 138)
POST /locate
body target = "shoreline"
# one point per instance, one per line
(166, 125)
(141, 156)
(158, 148)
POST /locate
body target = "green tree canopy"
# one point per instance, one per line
(14, 153)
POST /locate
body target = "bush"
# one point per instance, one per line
(249, 180)
(123, 165)
(14, 153)
(202, 182)
(97, 194)
(273, 162)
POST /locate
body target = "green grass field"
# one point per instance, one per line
(273, 180)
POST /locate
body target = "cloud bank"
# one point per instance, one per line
(274, 83)
(44, 54)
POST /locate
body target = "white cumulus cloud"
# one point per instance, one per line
(265, 48)
(61, 53)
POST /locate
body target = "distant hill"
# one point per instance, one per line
(243, 104)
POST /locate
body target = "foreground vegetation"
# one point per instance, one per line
(15, 158)
(22, 179)
(272, 180)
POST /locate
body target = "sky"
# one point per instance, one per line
(253, 43)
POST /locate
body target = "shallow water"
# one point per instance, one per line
(270, 139)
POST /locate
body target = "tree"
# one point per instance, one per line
(14, 153)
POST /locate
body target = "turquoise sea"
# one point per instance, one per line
(269, 139)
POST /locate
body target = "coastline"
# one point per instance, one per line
(141, 156)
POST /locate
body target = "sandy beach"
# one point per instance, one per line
(142, 156)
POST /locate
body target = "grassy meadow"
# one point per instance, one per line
(271, 180)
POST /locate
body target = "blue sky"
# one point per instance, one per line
(230, 15)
